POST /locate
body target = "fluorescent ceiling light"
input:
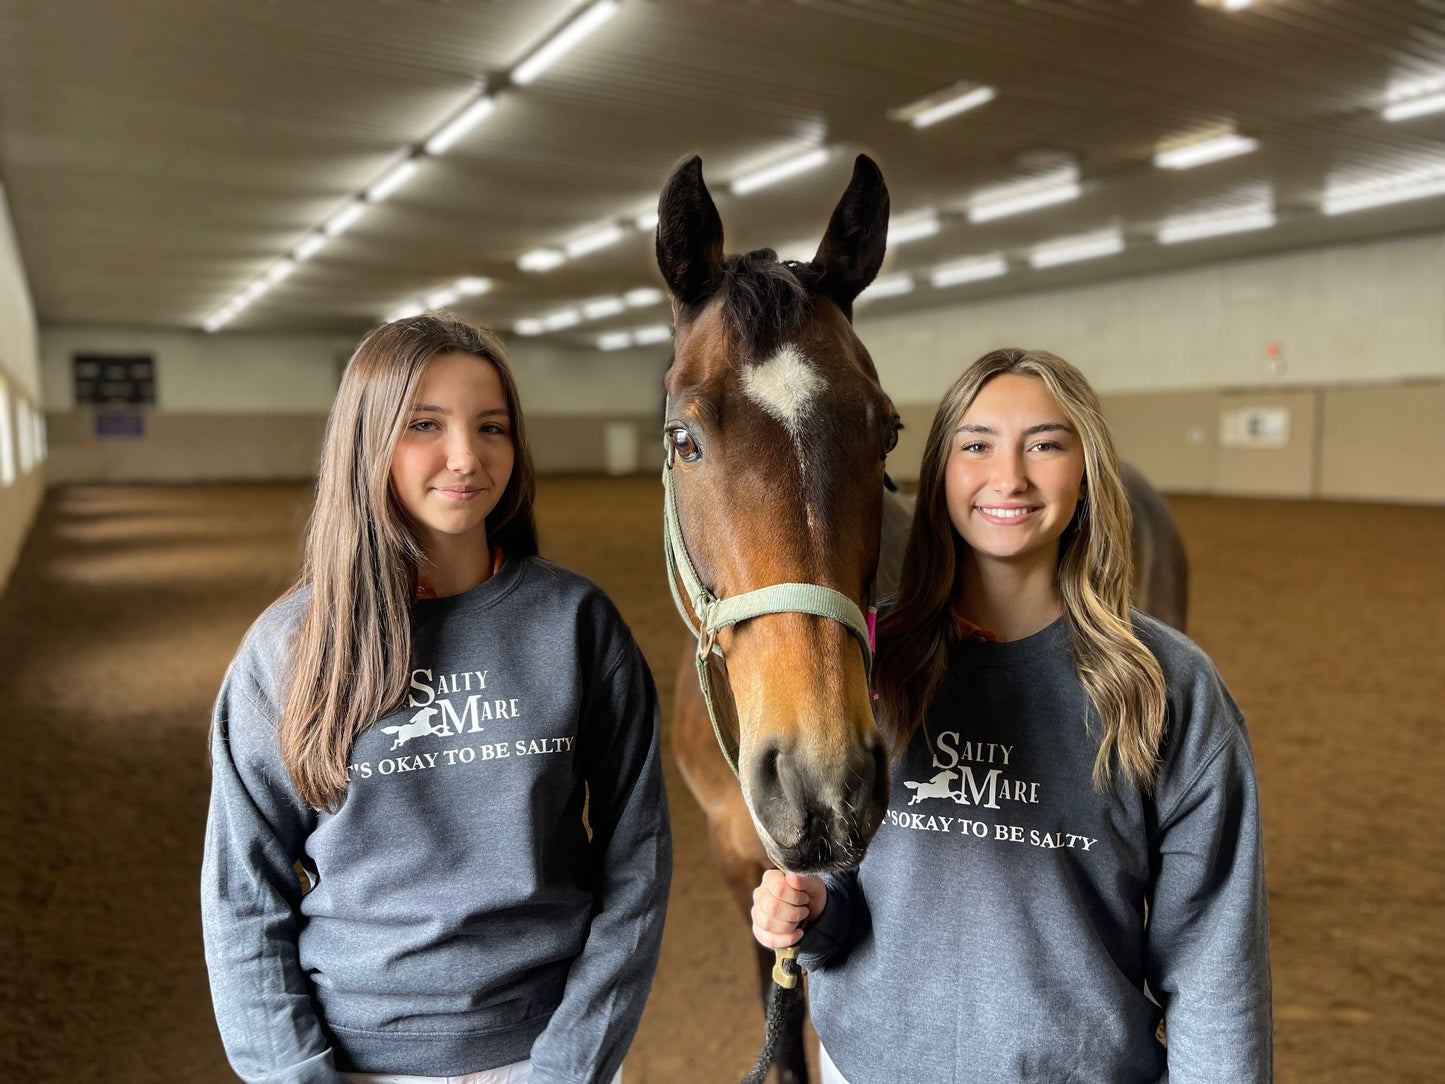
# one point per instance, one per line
(913, 227)
(1084, 246)
(1225, 5)
(220, 319)
(599, 307)
(642, 297)
(1414, 107)
(447, 136)
(889, 286)
(970, 270)
(254, 290)
(564, 40)
(999, 201)
(1360, 196)
(401, 312)
(472, 285)
(562, 318)
(646, 222)
(440, 299)
(943, 104)
(309, 246)
(1215, 224)
(529, 326)
(751, 182)
(600, 238)
(398, 176)
(614, 340)
(961, 104)
(344, 219)
(541, 259)
(1205, 150)
(279, 271)
(1413, 89)
(654, 333)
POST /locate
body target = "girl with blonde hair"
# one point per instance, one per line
(398, 882)
(1071, 854)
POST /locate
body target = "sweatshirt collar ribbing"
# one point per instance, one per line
(483, 596)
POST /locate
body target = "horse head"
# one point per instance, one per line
(776, 431)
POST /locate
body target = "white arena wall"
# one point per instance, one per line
(22, 470)
(252, 407)
(1348, 341)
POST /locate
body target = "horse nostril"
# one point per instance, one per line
(765, 775)
(768, 765)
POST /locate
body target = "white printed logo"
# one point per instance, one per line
(420, 724)
(963, 775)
(986, 791)
(937, 787)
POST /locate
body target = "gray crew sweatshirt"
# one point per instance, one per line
(1007, 917)
(459, 918)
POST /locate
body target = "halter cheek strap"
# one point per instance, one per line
(708, 613)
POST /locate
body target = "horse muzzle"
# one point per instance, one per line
(815, 814)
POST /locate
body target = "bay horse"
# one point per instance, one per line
(776, 430)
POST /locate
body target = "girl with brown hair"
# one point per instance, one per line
(1071, 853)
(399, 883)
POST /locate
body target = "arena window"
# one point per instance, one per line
(7, 439)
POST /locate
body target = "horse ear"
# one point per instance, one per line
(852, 249)
(689, 235)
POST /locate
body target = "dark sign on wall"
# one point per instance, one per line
(114, 380)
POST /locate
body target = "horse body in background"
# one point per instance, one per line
(1161, 569)
(777, 429)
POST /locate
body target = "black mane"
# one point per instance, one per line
(764, 300)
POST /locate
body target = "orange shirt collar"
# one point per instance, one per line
(426, 589)
(966, 629)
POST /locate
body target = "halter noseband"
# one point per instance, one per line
(715, 613)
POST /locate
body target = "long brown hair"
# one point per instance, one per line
(351, 658)
(1120, 676)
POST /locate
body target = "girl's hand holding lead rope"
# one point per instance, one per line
(783, 904)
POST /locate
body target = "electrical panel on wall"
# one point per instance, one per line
(1254, 427)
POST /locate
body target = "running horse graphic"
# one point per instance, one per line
(780, 532)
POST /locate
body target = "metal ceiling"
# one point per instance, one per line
(159, 155)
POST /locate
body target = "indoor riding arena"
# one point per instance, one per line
(1228, 214)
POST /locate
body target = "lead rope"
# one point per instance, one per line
(786, 971)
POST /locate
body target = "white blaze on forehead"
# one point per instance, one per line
(784, 385)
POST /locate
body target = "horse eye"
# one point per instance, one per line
(891, 440)
(685, 446)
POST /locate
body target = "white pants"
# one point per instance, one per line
(828, 1072)
(519, 1072)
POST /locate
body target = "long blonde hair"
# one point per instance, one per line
(351, 658)
(1120, 676)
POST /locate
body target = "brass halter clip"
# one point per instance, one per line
(786, 977)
